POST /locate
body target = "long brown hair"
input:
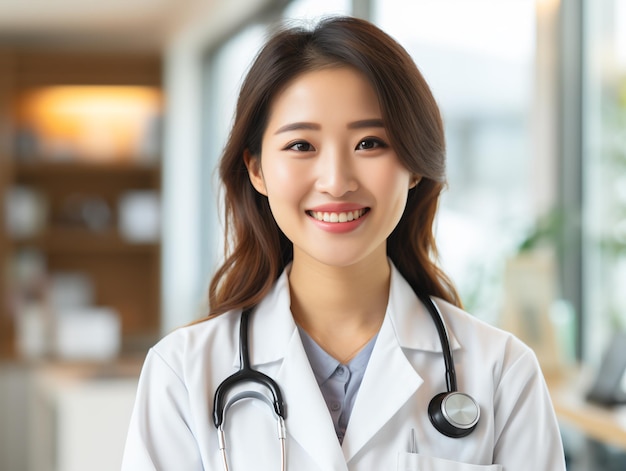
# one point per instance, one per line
(256, 249)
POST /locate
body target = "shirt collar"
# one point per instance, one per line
(272, 326)
(324, 364)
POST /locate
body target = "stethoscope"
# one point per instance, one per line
(453, 413)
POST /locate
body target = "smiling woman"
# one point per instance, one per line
(332, 164)
(330, 306)
(393, 94)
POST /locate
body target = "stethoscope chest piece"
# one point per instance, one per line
(454, 414)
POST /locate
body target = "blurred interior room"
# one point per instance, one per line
(112, 119)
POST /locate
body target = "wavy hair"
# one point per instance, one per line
(256, 249)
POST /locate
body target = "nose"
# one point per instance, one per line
(336, 173)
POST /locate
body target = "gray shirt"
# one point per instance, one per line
(338, 383)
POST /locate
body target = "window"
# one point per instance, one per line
(478, 58)
(224, 73)
(604, 173)
(309, 10)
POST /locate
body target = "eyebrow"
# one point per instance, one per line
(367, 123)
(364, 123)
(298, 126)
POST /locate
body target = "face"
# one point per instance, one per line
(334, 183)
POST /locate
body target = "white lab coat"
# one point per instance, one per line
(171, 427)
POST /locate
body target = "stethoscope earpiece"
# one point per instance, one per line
(454, 414)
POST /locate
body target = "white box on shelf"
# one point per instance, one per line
(33, 330)
(139, 216)
(26, 211)
(87, 333)
(70, 290)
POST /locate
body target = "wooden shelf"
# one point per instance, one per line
(83, 241)
(46, 169)
(33, 68)
(125, 275)
(101, 178)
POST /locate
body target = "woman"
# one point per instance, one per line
(332, 175)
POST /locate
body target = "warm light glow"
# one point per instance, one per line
(547, 7)
(91, 122)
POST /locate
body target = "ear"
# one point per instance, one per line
(415, 179)
(253, 164)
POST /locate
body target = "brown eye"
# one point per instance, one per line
(301, 146)
(370, 143)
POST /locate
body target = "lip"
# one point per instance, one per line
(337, 207)
(339, 227)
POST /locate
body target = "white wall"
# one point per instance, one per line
(183, 283)
(14, 389)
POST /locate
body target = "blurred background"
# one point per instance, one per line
(112, 118)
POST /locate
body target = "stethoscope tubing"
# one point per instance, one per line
(444, 339)
(247, 374)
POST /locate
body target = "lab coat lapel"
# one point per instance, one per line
(308, 420)
(390, 379)
(275, 340)
(389, 382)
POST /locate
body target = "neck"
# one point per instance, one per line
(340, 307)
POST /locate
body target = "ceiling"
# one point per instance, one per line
(127, 23)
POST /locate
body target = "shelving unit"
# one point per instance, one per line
(125, 273)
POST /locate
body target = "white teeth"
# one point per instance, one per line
(338, 217)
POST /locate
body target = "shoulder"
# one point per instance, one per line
(193, 346)
(477, 342)
(487, 343)
(213, 344)
(465, 327)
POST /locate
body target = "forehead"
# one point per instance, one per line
(336, 90)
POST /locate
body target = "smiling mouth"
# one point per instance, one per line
(340, 217)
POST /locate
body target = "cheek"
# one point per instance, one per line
(393, 188)
(277, 173)
(285, 180)
(391, 180)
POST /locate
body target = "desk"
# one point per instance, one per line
(65, 416)
(607, 425)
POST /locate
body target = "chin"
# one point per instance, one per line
(340, 258)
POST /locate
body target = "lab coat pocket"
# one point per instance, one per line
(416, 462)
